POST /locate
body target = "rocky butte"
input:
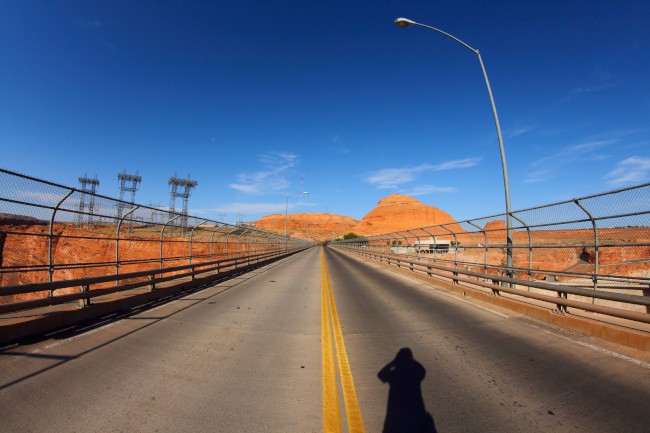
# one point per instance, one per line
(310, 226)
(392, 213)
(400, 212)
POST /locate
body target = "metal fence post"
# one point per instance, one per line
(162, 231)
(485, 246)
(530, 247)
(595, 229)
(417, 252)
(228, 240)
(455, 249)
(239, 242)
(50, 255)
(117, 243)
(214, 232)
(192, 234)
(435, 244)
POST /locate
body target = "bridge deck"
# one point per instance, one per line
(247, 355)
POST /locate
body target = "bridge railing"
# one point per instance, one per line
(51, 233)
(597, 248)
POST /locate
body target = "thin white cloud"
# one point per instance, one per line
(391, 177)
(394, 177)
(47, 198)
(252, 208)
(539, 176)
(428, 189)
(603, 80)
(587, 90)
(520, 131)
(459, 163)
(547, 168)
(634, 169)
(577, 152)
(587, 147)
(276, 165)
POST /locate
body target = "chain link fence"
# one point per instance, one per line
(51, 232)
(599, 242)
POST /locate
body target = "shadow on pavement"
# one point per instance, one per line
(405, 412)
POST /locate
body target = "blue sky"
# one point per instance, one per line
(257, 100)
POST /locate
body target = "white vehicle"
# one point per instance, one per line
(432, 245)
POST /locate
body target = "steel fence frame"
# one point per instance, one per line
(38, 218)
(605, 238)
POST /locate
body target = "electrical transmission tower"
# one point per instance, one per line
(186, 186)
(128, 183)
(88, 187)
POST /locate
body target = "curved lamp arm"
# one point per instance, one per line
(405, 22)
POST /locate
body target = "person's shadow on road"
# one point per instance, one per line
(405, 412)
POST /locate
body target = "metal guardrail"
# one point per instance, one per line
(595, 248)
(54, 234)
(561, 296)
(148, 279)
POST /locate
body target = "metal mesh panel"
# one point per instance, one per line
(50, 232)
(600, 242)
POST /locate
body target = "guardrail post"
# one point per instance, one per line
(560, 308)
(84, 302)
(152, 284)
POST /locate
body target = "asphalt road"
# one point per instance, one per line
(251, 355)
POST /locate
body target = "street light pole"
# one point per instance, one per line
(403, 23)
(286, 213)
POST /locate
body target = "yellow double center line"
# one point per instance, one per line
(330, 322)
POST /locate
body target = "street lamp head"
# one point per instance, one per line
(404, 22)
(305, 192)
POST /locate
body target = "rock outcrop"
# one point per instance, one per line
(310, 226)
(400, 212)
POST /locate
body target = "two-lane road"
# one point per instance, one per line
(250, 355)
